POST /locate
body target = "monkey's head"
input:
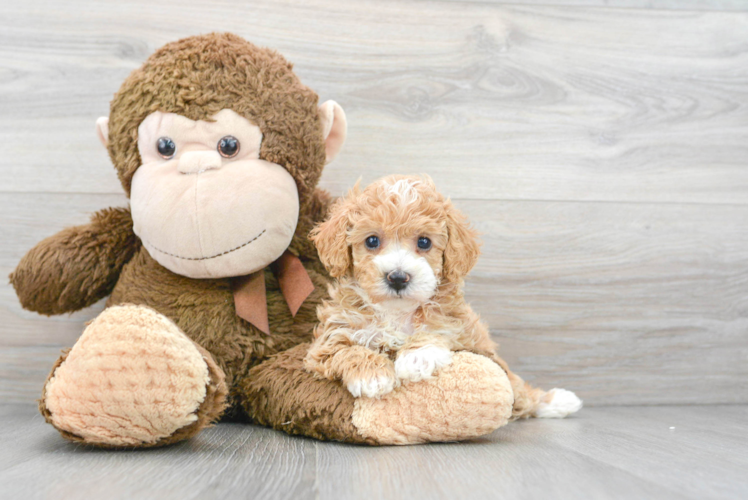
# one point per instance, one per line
(219, 146)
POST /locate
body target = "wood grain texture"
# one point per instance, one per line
(625, 303)
(229, 460)
(495, 101)
(707, 5)
(601, 151)
(604, 453)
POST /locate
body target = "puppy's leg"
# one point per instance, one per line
(421, 356)
(531, 401)
(363, 371)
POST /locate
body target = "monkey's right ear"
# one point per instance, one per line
(334, 128)
(102, 129)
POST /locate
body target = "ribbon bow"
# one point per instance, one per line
(249, 291)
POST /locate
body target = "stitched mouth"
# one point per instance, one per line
(206, 258)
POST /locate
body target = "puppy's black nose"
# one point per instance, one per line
(398, 279)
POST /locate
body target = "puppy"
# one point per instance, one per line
(396, 313)
(399, 251)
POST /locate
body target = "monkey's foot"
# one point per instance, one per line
(469, 398)
(133, 379)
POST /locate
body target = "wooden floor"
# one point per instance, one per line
(664, 452)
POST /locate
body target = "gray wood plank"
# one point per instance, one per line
(600, 453)
(694, 461)
(706, 419)
(708, 5)
(624, 303)
(230, 459)
(533, 102)
(29, 218)
(619, 302)
(500, 467)
(614, 452)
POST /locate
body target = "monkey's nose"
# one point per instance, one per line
(398, 279)
(192, 162)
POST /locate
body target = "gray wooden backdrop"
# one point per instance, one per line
(600, 146)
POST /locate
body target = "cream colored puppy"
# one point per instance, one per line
(400, 251)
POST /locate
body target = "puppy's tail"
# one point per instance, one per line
(531, 401)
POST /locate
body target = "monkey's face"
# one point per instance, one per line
(203, 202)
(218, 144)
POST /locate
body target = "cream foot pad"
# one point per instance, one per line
(133, 378)
(469, 398)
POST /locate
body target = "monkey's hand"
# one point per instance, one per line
(78, 266)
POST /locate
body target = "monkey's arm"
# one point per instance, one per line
(77, 266)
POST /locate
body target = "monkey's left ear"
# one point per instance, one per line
(102, 129)
(334, 128)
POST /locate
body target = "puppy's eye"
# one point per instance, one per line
(166, 147)
(372, 242)
(228, 146)
(424, 243)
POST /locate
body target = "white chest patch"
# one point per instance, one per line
(391, 326)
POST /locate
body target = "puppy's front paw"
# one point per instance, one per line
(421, 363)
(373, 387)
(561, 403)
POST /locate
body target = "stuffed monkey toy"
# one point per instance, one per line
(212, 280)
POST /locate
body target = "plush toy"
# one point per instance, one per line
(212, 280)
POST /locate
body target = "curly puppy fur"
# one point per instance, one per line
(373, 337)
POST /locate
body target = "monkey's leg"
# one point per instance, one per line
(531, 401)
(469, 398)
(133, 379)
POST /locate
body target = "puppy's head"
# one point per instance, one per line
(398, 238)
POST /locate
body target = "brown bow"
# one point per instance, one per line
(249, 291)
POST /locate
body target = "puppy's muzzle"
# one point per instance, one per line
(398, 280)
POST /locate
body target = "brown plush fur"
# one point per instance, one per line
(316, 408)
(78, 266)
(197, 77)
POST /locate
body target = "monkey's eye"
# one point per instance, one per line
(228, 146)
(424, 243)
(166, 147)
(372, 242)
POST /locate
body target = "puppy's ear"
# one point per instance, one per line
(463, 247)
(330, 237)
